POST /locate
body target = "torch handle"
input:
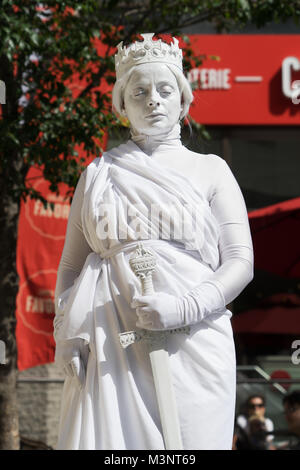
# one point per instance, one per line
(147, 285)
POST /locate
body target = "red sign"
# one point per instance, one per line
(40, 243)
(255, 81)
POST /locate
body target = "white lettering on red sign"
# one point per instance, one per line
(60, 211)
(39, 304)
(209, 79)
(290, 89)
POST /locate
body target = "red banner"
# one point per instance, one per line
(40, 243)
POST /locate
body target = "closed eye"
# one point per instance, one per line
(139, 92)
(165, 91)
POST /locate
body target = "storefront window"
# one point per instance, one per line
(265, 162)
(267, 170)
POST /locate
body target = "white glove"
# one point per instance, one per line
(72, 357)
(162, 311)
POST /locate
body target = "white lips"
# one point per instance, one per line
(154, 115)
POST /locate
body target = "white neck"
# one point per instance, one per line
(152, 143)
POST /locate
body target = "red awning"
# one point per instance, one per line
(275, 320)
(276, 238)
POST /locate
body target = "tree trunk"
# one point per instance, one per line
(9, 423)
(12, 170)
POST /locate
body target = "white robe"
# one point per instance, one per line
(117, 407)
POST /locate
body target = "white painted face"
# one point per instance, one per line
(152, 99)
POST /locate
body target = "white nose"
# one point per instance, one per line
(154, 99)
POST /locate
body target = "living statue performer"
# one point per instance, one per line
(189, 212)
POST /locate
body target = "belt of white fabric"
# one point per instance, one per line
(128, 246)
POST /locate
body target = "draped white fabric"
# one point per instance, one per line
(117, 407)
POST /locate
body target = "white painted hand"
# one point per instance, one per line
(162, 311)
(72, 356)
(159, 311)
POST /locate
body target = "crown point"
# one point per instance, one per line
(119, 46)
(147, 36)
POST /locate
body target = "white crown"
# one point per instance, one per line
(143, 52)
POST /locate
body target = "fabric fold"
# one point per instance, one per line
(132, 183)
(77, 310)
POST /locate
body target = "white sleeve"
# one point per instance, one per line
(235, 248)
(235, 244)
(75, 251)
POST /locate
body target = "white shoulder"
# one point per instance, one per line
(92, 169)
(94, 164)
(206, 170)
(210, 159)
